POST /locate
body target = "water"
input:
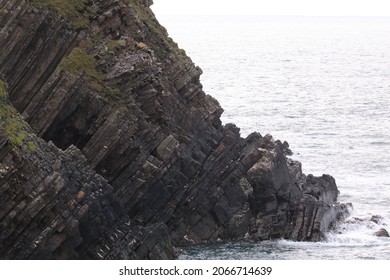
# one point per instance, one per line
(322, 84)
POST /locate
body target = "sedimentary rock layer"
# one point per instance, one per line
(115, 152)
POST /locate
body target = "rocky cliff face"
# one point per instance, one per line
(110, 149)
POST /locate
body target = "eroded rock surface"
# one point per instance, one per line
(124, 155)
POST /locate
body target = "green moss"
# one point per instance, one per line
(3, 93)
(68, 8)
(92, 10)
(80, 23)
(97, 86)
(79, 62)
(162, 44)
(106, 90)
(31, 146)
(114, 92)
(64, 7)
(15, 129)
(112, 44)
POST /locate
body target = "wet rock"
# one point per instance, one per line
(376, 219)
(382, 233)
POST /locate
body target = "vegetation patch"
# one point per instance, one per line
(3, 92)
(68, 8)
(79, 62)
(112, 45)
(97, 86)
(31, 146)
(15, 129)
(114, 92)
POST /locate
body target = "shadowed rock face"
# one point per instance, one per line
(124, 156)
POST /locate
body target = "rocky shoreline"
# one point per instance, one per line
(110, 149)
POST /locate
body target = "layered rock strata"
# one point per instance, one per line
(115, 152)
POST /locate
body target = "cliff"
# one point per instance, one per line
(110, 149)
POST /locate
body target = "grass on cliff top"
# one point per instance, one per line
(79, 62)
(15, 129)
(70, 8)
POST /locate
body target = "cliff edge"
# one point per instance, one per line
(110, 149)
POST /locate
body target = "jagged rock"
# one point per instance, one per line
(131, 158)
(323, 188)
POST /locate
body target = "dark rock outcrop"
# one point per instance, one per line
(382, 233)
(124, 156)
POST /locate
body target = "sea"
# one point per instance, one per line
(323, 85)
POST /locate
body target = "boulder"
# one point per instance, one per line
(382, 233)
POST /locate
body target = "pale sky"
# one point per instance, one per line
(273, 7)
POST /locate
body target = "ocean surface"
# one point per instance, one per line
(323, 85)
